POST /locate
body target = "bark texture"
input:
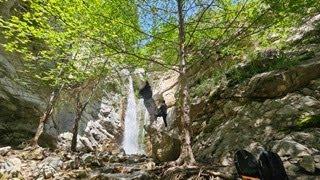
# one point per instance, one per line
(46, 115)
(79, 111)
(186, 155)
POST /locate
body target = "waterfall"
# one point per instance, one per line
(130, 141)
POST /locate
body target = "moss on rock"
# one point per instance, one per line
(308, 121)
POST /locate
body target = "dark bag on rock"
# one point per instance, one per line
(271, 166)
(246, 164)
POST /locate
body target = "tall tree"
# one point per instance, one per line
(186, 154)
(182, 34)
(155, 34)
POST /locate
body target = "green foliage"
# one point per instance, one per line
(236, 74)
(71, 42)
(308, 121)
(262, 64)
(206, 85)
(227, 28)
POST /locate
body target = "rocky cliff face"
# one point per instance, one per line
(102, 121)
(275, 110)
(286, 123)
(21, 108)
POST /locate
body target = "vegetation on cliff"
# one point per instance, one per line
(70, 45)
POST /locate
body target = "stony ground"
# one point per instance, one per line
(41, 163)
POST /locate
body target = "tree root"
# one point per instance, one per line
(193, 170)
(30, 145)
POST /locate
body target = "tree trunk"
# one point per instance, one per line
(46, 115)
(79, 111)
(186, 155)
(76, 123)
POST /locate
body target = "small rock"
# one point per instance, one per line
(307, 91)
(307, 163)
(54, 162)
(34, 154)
(113, 159)
(71, 164)
(115, 151)
(11, 167)
(48, 173)
(87, 158)
(149, 166)
(81, 173)
(50, 166)
(317, 158)
(4, 150)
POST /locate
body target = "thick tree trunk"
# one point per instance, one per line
(79, 111)
(46, 115)
(186, 155)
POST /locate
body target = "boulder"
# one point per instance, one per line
(307, 163)
(20, 108)
(4, 150)
(163, 146)
(11, 167)
(278, 83)
(288, 147)
(49, 166)
(87, 158)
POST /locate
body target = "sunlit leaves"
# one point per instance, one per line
(64, 41)
(232, 28)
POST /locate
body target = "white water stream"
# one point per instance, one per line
(130, 141)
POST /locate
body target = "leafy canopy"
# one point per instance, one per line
(71, 41)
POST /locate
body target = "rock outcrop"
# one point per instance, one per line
(277, 110)
(98, 125)
(20, 108)
(278, 83)
(161, 145)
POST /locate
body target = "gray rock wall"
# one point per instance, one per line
(287, 123)
(20, 108)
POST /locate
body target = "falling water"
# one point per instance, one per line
(130, 142)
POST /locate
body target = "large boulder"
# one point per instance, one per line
(161, 145)
(20, 107)
(278, 83)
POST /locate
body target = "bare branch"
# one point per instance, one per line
(133, 54)
(198, 22)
